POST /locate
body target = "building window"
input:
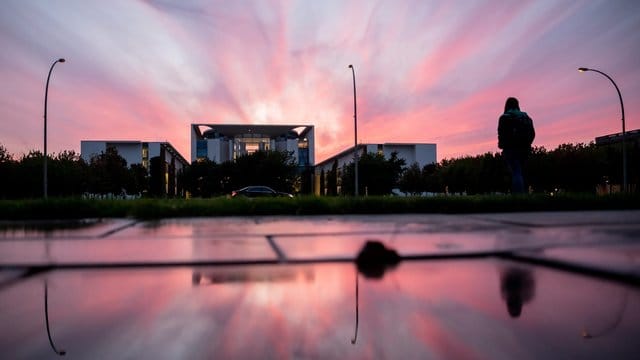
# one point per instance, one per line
(201, 149)
(303, 152)
(380, 149)
(145, 155)
(248, 144)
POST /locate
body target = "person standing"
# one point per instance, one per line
(515, 136)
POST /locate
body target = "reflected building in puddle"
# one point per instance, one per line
(262, 273)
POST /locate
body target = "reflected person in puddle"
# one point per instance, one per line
(375, 259)
(517, 287)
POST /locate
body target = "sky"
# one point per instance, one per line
(425, 71)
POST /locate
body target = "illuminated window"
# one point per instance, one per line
(250, 143)
(145, 155)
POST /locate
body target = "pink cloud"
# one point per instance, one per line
(426, 72)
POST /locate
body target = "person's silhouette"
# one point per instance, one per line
(515, 136)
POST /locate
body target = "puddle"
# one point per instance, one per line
(483, 308)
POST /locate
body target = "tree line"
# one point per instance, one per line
(377, 175)
(109, 174)
(276, 169)
(69, 175)
(569, 167)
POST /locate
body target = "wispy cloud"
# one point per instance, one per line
(425, 71)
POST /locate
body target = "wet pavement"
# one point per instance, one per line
(495, 286)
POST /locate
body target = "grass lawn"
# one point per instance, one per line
(73, 208)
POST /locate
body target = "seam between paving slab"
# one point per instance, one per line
(118, 229)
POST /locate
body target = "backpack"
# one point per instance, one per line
(521, 130)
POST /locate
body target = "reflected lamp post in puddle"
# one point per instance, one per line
(586, 334)
(46, 318)
(46, 94)
(355, 336)
(624, 132)
(355, 132)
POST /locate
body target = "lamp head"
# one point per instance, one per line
(350, 66)
(61, 60)
(583, 69)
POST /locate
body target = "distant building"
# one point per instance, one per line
(221, 143)
(139, 152)
(632, 138)
(632, 142)
(423, 154)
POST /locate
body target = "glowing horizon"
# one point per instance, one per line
(426, 72)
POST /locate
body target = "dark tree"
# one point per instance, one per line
(138, 180)
(156, 177)
(276, 169)
(322, 186)
(29, 175)
(376, 175)
(411, 180)
(67, 174)
(305, 183)
(270, 168)
(431, 173)
(332, 180)
(5, 156)
(108, 173)
(201, 178)
(8, 169)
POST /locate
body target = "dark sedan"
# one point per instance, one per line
(258, 191)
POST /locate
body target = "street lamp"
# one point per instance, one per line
(46, 93)
(355, 126)
(624, 132)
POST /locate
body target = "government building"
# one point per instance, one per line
(220, 143)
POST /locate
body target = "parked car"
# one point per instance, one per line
(258, 191)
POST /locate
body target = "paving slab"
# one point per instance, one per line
(282, 238)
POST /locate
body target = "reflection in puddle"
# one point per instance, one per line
(517, 287)
(607, 327)
(273, 273)
(422, 309)
(45, 226)
(46, 317)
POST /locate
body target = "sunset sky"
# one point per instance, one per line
(426, 71)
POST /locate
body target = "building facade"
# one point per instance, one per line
(221, 143)
(170, 161)
(632, 145)
(422, 154)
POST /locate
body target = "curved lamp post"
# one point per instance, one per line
(355, 126)
(624, 132)
(46, 93)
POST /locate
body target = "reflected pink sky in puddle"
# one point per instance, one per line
(436, 309)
